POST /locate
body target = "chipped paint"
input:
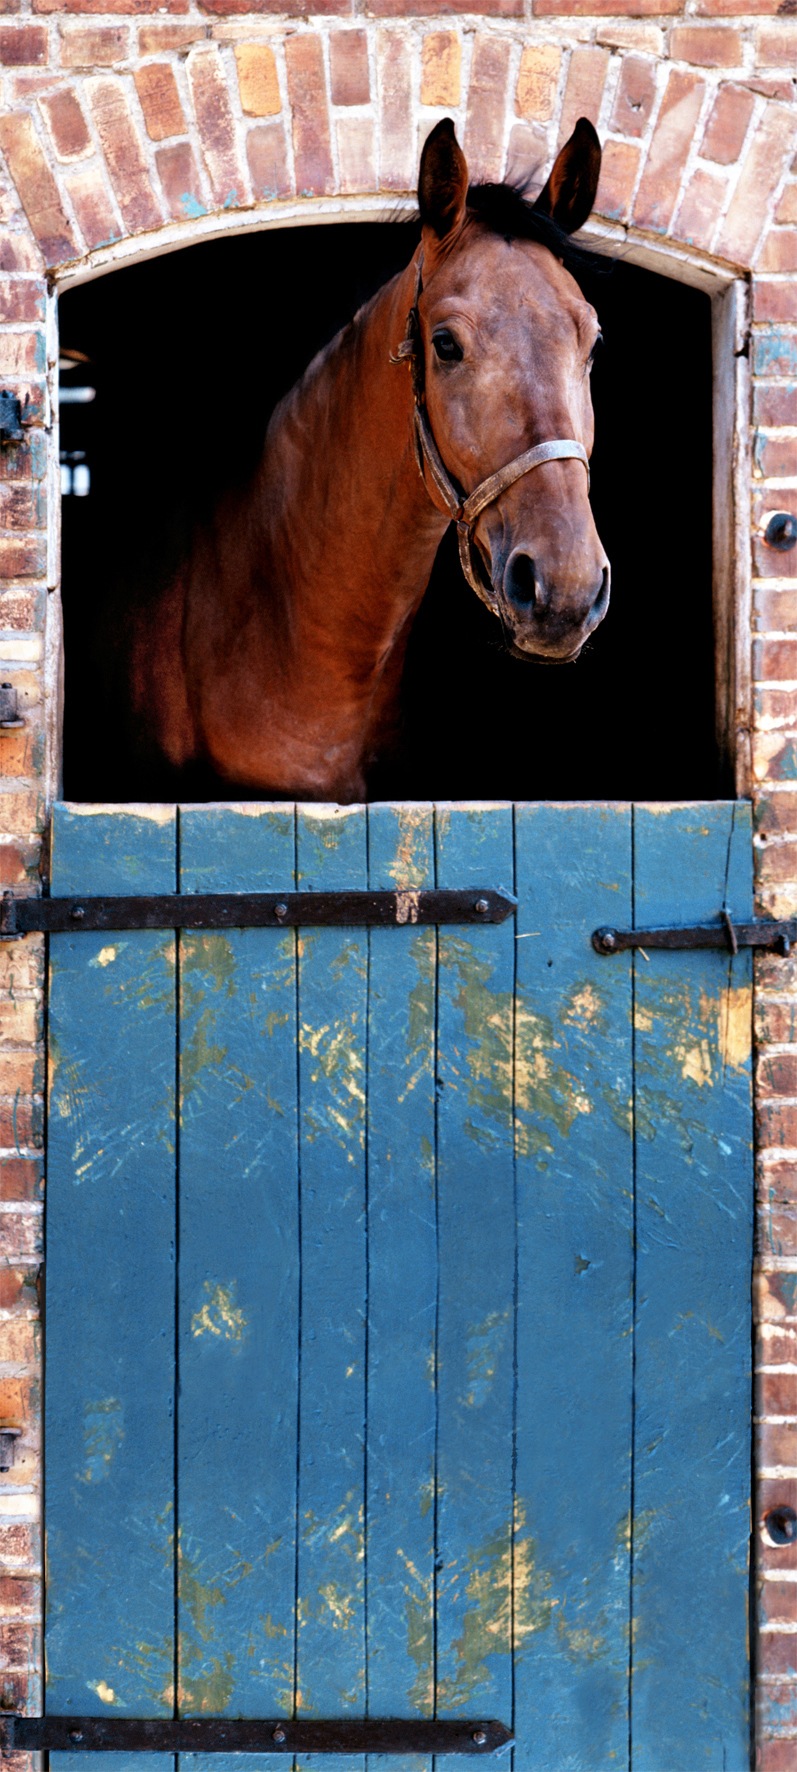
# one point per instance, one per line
(485, 1344)
(105, 957)
(103, 1433)
(104, 1692)
(335, 1053)
(220, 1315)
(419, 1603)
(410, 864)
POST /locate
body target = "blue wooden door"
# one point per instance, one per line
(398, 1287)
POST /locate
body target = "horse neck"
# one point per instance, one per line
(355, 525)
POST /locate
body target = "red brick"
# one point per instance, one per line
(707, 46)
(356, 153)
(777, 1126)
(17, 1292)
(606, 8)
(20, 1646)
(586, 79)
(160, 100)
(777, 1071)
(18, 1595)
(93, 207)
(23, 46)
(161, 39)
(22, 557)
(37, 189)
(776, 1394)
(774, 352)
(777, 1655)
(728, 124)
(21, 354)
(776, 44)
(787, 205)
(268, 161)
(776, 457)
(20, 302)
(17, 1541)
(434, 8)
(775, 301)
(119, 6)
(20, 1179)
(93, 46)
(619, 169)
(701, 207)
(635, 94)
(22, 962)
(773, 405)
(67, 125)
(775, 1756)
(777, 1447)
(761, 173)
(19, 253)
(348, 66)
(21, 506)
(182, 185)
(124, 155)
(777, 1233)
(258, 81)
(669, 148)
(216, 127)
(398, 169)
(780, 250)
(484, 127)
(441, 70)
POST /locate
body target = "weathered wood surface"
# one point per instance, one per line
(693, 1129)
(111, 1202)
(462, 1240)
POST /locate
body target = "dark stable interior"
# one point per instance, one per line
(188, 354)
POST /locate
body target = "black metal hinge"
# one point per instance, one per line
(252, 910)
(774, 937)
(234, 1735)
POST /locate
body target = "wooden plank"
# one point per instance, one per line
(238, 1281)
(575, 1290)
(402, 1277)
(476, 1232)
(331, 847)
(694, 1218)
(110, 1284)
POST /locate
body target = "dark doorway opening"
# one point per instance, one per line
(170, 371)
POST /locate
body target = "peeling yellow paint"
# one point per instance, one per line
(410, 864)
(105, 957)
(584, 1007)
(104, 1692)
(341, 1605)
(103, 1433)
(407, 904)
(418, 1598)
(220, 1314)
(485, 1344)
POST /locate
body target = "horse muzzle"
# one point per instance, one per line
(545, 619)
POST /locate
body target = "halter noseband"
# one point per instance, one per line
(465, 511)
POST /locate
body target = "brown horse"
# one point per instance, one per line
(274, 656)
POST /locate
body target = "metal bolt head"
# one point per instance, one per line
(279, 1733)
(780, 1525)
(781, 531)
(280, 910)
(77, 913)
(482, 905)
(76, 1734)
(480, 1737)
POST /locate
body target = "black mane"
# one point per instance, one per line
(506, 210)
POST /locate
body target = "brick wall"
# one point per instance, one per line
(119, 128)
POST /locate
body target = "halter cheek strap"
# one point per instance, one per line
(465, 510)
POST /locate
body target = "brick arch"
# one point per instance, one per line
(206, 121)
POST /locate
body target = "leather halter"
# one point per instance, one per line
(465, 509)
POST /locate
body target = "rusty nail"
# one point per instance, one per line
(280, 910)
(482, 905)
(279, 1732)
(480, 1737)
(781, 531)
(77, 913)
(780, 1525)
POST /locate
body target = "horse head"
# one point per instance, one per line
(502, 341)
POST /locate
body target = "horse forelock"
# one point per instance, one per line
(506, 210)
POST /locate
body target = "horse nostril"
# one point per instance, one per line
(601, 602)
(521, 585)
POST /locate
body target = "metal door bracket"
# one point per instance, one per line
(252, 910)
(235, 1735)
(774, 937)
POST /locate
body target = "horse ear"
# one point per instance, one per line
(443, 180)
(570, 192)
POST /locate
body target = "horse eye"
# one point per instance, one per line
(594, 352)
(446, 347)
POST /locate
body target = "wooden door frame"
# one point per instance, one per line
(732, 420)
